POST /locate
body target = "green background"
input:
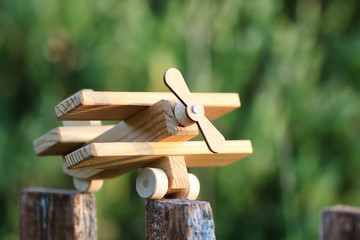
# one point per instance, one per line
(295, 64)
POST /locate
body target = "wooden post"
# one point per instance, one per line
(340, 223)
(178, 219)
(57, 214)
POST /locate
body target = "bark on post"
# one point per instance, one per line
(178, 219)
(57, 214)
(340, 223)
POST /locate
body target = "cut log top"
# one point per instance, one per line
(343, 209)
(57, 214)
(340, 223)
(57, 192)
(179, 219)
(92, 105)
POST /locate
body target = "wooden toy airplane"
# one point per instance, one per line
(153, 136)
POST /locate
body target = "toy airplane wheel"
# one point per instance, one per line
(89, 186)
(191, 192)
(194, 187)
(152, 183)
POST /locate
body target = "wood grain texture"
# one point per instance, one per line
(138, 155)
(81, 123)
(93, 105)
(213, 138)
(176, 171)
(155, 123)
(178, 219)
(63, 140)
(340, 223)
(88, 186)
(81, 174)
(152, 183)
(174, 80)
(57, 215)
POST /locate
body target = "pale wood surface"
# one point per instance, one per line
(176, 171)
(178, 219)
(81, 173)
(63, 140)
(89, 186)
(57, 215)
(175, 82)
(181, 115)
(340, 223)
(93, 105)
(191, 192)
(137, 155)
(213, 138)
(152, 183)
(81, 123)
(80, 176)
(194, 187)
(155, 123)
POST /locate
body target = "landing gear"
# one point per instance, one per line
(153, 183)
(90, 186)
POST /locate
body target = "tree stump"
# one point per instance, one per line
(178, 219)
(340, 223)
(57, 214)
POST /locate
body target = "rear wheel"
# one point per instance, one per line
(89, 186)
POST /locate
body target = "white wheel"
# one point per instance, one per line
(152, 183)
(89, 186)
(194, 187)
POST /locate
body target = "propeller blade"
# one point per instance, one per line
(213, 138)
(176, 83)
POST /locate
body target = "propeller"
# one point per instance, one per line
(194, 111)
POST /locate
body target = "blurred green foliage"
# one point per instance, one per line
(295, 64)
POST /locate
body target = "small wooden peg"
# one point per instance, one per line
(181, 116)
(89, 186)
(152, 183)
